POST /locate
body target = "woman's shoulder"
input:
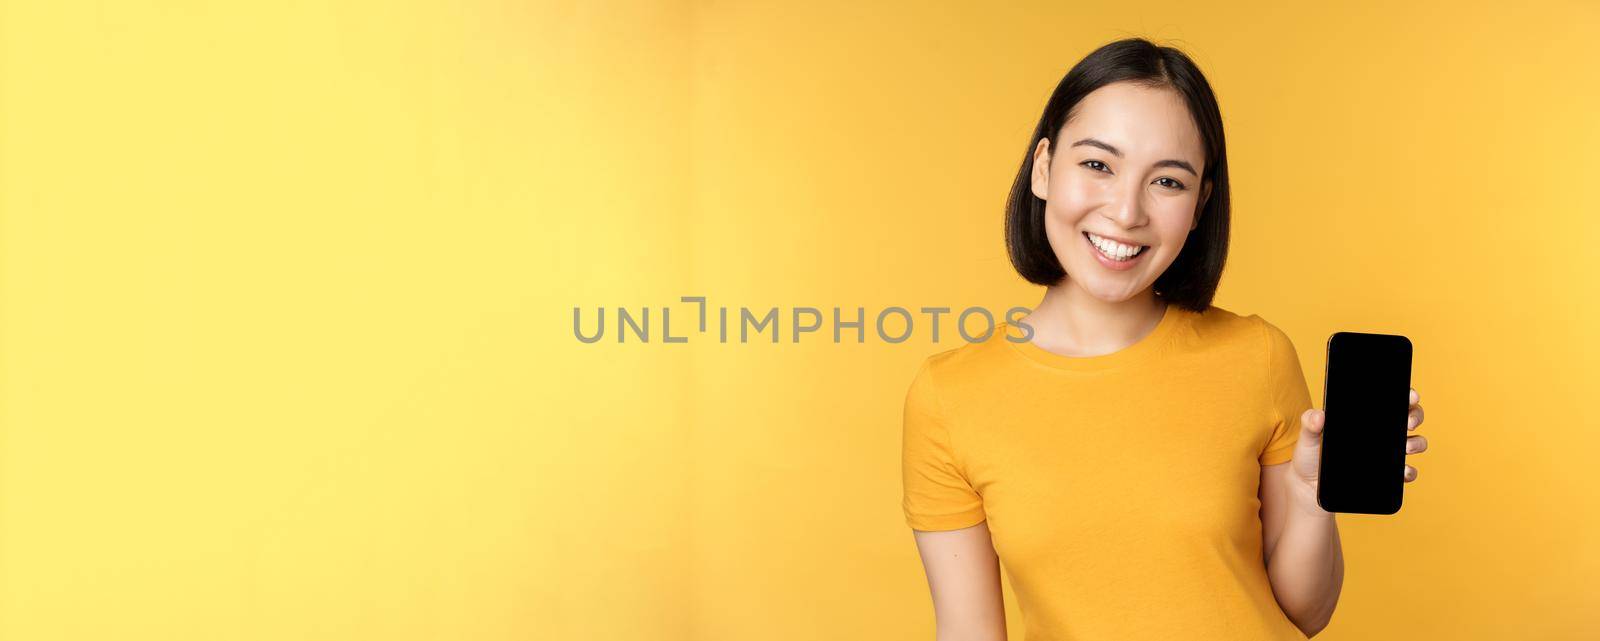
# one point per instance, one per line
(1221, 326)
(971, 354)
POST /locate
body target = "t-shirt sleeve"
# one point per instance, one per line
(937, 495)
(1286, 384)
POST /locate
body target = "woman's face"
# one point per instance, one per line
(1126, 167)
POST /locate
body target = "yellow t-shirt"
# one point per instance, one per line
(1121, 490)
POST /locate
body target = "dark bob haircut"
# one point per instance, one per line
(1191, 280)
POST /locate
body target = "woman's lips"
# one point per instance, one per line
(1113, 265)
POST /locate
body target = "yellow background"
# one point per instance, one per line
(286, 297)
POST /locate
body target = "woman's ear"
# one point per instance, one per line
(1041, 169)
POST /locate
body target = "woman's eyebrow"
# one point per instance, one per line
(1118, 153)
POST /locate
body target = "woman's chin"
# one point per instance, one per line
(1109, 292)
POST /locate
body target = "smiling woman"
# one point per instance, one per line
(1147, 156)
(1128, 462)
(1151, 122)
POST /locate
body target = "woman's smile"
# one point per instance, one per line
(1114, 255)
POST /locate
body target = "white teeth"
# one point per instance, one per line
(1113, 249)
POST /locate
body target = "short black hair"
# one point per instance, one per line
(1191, 280)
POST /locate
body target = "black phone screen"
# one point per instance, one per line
(1366, 395)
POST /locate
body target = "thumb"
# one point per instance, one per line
(1311, 422)
(1308, 452)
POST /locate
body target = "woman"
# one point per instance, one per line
(1144, 463)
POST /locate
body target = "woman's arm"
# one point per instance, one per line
(1300, 539)
(1304, 558)
(964, 577)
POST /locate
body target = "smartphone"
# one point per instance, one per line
(1366, 396)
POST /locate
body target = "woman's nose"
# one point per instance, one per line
(1127, 206)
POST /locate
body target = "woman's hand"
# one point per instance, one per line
(1308, 455)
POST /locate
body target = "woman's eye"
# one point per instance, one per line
(1093, 164)
(1175, 184)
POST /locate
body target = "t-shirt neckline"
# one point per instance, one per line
(1143, 349)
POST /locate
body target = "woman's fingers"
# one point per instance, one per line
(1417, 443)
(1414, 417)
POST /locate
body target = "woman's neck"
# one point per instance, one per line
(1071, 322)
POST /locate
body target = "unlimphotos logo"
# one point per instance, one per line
(892, 324)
